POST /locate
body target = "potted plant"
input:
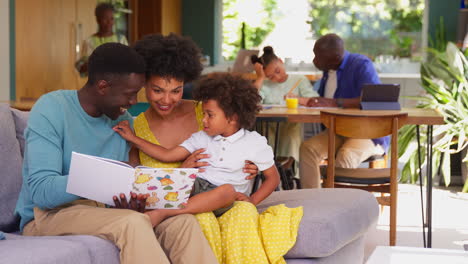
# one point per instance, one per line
(444, 78)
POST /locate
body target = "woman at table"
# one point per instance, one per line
(274, 84)
(170, 62)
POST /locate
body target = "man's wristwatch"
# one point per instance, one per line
(339, 102)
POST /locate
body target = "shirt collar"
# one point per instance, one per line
(232, 138)
(345, 60)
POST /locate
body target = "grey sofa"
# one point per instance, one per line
(331, 230)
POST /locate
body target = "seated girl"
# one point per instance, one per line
(230, 105)
(274, 84)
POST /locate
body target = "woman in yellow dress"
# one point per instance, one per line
(172, 61)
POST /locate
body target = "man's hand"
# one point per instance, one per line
(192, 161)
(136, 203)
(321, 102)
(251, 169)
(124, 130)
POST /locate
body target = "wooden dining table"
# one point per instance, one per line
(416, 116)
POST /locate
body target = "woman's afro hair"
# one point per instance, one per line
(170, 56)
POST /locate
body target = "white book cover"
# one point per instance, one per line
(100, 179)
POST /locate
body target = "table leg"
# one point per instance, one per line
(429, 186)
(420, 185)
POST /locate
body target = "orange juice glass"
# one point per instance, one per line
(292, 103)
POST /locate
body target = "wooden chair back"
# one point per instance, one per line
(366, 125)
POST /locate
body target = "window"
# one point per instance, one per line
(370, 27)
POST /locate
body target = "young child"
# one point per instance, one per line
(273, 84)
(230, 105)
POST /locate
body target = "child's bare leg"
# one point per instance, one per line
(220, 197)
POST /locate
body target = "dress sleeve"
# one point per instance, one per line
(199, 114)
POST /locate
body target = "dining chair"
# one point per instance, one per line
(366, 125)
(285, 165)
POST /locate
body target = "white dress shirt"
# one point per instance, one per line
(331, 85)
(228, 156)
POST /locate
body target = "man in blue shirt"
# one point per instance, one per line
(67, 120)
(344, 74)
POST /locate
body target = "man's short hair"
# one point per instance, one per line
(113, 59)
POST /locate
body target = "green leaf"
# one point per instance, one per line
(465, 187)
(461, 140)
(446, 168)
(454, 58)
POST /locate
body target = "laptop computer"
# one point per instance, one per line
(243, 63)
(380, 97)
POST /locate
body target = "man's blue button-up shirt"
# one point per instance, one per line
(355, 71)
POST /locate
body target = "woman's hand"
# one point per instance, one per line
(321, 102)
(251, 169)
(242, 197)
(136, 203)
(193, 160)
(124, 130)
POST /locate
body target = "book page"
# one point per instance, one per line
(121, 163)
(99, 179)
(168, 188)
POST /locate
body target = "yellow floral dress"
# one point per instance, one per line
(240, 235)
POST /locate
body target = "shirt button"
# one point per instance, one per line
(223, 148)
(224, 139)
(221, 159)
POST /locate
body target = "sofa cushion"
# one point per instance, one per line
(66, 249)
(332, 218)
(21, 121)
(10, 164)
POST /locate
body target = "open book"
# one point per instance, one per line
(100, 179)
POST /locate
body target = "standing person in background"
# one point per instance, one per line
(274, 84)
(344, 74)
(104, 13)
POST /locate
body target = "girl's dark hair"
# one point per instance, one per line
(268, 57)
(101, 8)
(170, 56)
(235, 96)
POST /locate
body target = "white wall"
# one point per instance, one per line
(4, 50)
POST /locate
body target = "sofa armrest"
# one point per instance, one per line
(332, 218)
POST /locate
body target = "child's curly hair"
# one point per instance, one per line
(234, 95)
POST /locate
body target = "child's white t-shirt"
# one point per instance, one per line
(228, 156)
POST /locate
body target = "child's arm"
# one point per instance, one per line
(260, 76)
(155, 151)
(272, 179)
(134, 157)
